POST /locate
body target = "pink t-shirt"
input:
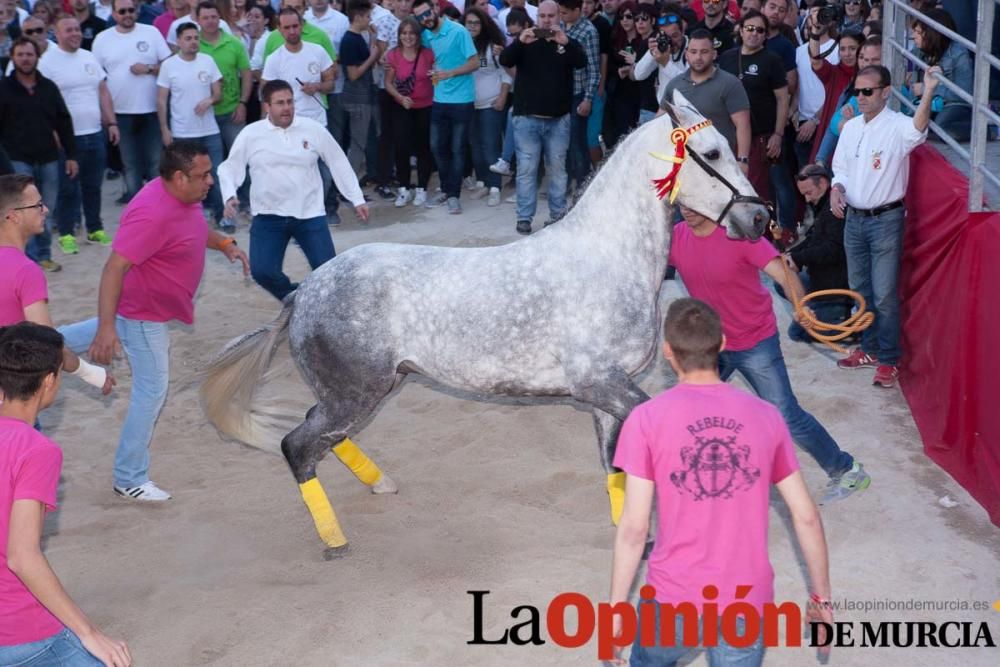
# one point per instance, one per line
(29, 470)
(163, 21)
(423, 89)
(22, 283)
(713, 451)
(725, 274)
(164, 239)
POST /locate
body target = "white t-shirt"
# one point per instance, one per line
(172, 30)
(334, 24)
(189, 83)
(78, 76)
(117, 52)
(306, 66)
(812, 95)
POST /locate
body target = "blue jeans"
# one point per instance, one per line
(147, 346)
(213, 145)
(46, 177)
(827, 146)
(532, 137)
(784, 190)
(449, 134)
(62, 649)
(578, 156)
(140, 147)
(956, 120)
(228, 129)
(485, 140)
(269, 236)
(874, 247)
(721, 655)
(507, 152)
(85, 189)
(763, 366)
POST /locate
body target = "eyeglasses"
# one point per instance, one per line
(423, 16)
(868, 92)
(669, 19)
(127, 10)
(626, 17)
(34, 31)
(755, 28)
(40, 205)
(643, 17)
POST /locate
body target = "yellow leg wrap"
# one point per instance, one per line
(362, 466)
(616, 494)
(322, 513)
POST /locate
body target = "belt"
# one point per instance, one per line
(878, 210)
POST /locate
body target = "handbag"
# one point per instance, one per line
(405, 86)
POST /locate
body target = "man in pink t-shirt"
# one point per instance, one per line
(23, 290)
(725, 274)
(37, 617)
(156, 263)
(711, 453)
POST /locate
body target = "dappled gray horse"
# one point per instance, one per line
(584, 291)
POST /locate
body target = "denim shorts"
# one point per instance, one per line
(62, 649)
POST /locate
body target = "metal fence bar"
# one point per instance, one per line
(981, 93)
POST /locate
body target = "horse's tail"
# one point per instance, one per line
(231, 381)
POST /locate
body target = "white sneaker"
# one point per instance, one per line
(148, 492)
(494, 198)
(511, 198)
(402, 197)
(419, 197)
(501, 167)
(470, 183)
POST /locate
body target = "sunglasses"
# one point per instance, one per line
(423, 16)
(868, 92)
(40, 205)
(643, 17)
(126, 10)
(755, 28)
(669, 19)
(34, 31)
(626, 17)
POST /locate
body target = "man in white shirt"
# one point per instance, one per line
(81, 80)
(283, 152)
(305, 66)
(131, 54)
(192, 84)
(812, 95)
(871, 168)
(667, 64)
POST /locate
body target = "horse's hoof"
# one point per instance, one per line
(333, 553)
(384, 485)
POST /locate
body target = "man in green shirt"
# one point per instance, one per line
(232, 61)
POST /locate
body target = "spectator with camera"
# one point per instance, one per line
(664, 54)
(835, 78)
(545, 58)
(811, 92)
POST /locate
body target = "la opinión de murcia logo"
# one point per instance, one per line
(717, 623)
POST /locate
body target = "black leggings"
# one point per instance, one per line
(411, 131)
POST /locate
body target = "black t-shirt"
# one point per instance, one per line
(354, 51)
(761, 74)
(603, 33)
(90, 28)
(722, 35)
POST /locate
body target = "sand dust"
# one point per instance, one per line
(503, 496)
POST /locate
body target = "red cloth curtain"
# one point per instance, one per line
(949, 285)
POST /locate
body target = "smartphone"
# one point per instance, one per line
(544, 33)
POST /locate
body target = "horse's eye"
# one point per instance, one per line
(712, 155)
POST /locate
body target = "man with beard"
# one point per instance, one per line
(715, 21)
(32, 115)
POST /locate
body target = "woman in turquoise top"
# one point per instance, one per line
(949, 110)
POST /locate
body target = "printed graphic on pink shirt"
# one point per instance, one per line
(715, 467)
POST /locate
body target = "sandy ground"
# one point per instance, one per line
(500, 496)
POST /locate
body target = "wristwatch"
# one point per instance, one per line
(744, 159)
(149, 69)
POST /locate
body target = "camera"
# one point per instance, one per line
(543, 33)
(829, 14)
(662, 43)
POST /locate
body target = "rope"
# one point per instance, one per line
(856, 323)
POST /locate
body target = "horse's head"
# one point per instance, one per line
(708, 178)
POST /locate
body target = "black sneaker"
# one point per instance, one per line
(524, 226)
(385, 192)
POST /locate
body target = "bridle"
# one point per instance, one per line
(671, 183)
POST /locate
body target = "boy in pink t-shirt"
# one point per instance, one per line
(711, 453)
(36, 614)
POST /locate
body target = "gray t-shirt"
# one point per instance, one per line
(716, 98)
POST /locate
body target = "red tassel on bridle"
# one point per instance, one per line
(679, 136)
